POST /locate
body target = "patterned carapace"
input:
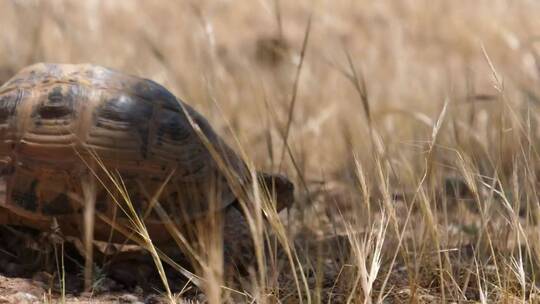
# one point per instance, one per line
(60, 121)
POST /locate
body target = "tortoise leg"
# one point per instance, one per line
(88, 186)
(238, 247)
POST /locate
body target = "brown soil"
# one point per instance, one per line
(31, 273)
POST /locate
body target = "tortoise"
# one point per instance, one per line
(65, 126)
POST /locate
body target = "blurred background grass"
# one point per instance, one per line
(221, 57)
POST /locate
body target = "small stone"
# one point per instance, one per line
(129, 298)
(23, 298)
(106, 285)
(138, 290)
(154, 299)
(86, 294)
(43, 278)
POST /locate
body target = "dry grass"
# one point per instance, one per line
(409, 127)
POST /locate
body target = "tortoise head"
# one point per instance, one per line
(280, 186)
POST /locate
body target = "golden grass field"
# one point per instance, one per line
(412, 132)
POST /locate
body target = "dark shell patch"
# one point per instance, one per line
(59, 206)
(55, 96)
(57, 105)
(150, 90)
(8, 105)
(102, 202)
(139, 204)
(173, 126)
(26, 200)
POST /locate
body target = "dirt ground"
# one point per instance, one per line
(28, 290)
(29, 273)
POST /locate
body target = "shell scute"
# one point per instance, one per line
(60, 102)
(8, 104)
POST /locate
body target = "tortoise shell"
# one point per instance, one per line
(60, 121)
